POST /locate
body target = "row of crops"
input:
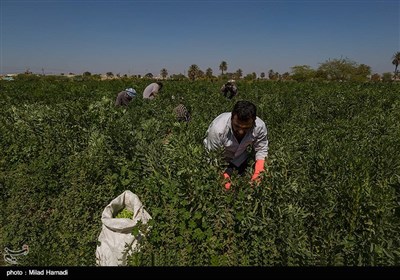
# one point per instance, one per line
(331, 197)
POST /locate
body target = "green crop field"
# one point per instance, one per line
(331, 195)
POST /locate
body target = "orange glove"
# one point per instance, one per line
(228, 179)
(259, 167)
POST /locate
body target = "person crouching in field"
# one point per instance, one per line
(182, 113)
(152, 90)
(124, 97)
(234, 132)
(229, 89)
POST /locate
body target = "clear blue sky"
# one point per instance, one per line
(137, 37)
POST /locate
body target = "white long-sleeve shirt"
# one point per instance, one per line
(220, 135)
(150, 90)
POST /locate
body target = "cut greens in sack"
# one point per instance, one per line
(116, 241)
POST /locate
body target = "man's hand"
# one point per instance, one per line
(227, 180)
(259, 167)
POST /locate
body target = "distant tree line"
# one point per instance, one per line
(338, 69)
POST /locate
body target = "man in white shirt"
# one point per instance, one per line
(234, 132)
(152, 90)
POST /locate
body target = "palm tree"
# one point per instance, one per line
(209, 73)
(164, 73)
(223, 67)
(239, 73)
(271, 74)
(396, 62)
(193, 72)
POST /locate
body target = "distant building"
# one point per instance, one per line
(8, 77)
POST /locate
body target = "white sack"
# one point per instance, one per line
(116, 241)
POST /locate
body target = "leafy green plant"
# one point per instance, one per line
(330, 195)
(125, 213)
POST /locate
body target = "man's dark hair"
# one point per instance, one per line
(244, 110)
(160, 84)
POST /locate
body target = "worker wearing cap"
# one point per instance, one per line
(125, 96)
(229, 89)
